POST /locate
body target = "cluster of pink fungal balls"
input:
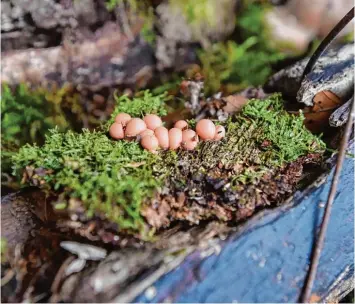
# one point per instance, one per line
(153, 135)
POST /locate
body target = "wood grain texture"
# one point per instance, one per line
(263, 260)
(268, 258)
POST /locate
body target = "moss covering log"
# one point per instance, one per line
(257, 164)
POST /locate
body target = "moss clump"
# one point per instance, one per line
(237, 65)
(231, 63)
(113, 179)
(143, 103)
(287, 134)
(197, 11)
(259, 139)
(24, 116)
(27, 115)
(109, 177)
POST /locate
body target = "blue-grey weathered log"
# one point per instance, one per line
(267, 259)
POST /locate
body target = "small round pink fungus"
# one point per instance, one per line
(150, 143)
(220, 133)
(206, 129)
(152, 121)
(123, 118)
(189, 139)
(146, 132)
(116, 131)
(181, 124)
(134, 127)
(175, 138)
(162, 134)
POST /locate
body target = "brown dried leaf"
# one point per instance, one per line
(157, 215)
(234, 103)
(317, 117)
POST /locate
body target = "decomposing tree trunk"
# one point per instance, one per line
(139, 271)
(116, 277)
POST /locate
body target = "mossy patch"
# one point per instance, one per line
(142, 103)
(263, 136)
(197, 11)
(27, 115)
(3, 250)
(236, 65)
(24, 116)
(113, 179)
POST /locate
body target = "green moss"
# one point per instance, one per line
(143, 103)
(111, 178)
(114, 178)
(197, 11)
(287, 133)
(3, 249)
(111, 4)
(24, 116)
(230, 63)
(27, 114)
(259, 139)
(251, 21)
(238, 65)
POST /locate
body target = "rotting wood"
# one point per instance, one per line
(127, 273)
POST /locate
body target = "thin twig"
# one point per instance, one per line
(323, 228)
(326, 41)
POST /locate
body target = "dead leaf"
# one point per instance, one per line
(317, 117)
(157, 216)
(325, 101)
(234, 103)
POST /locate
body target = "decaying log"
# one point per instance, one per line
(196, 264)
(118, 276)
(267, 258)
(18, 219)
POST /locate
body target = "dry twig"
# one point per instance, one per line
(323, 228)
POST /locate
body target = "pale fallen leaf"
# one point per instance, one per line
(234, 103)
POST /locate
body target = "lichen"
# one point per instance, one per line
(114, 179)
